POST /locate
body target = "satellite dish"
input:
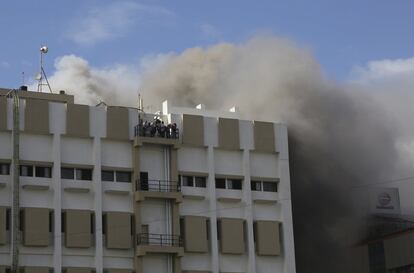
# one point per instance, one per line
(38, 77)
(44, 49)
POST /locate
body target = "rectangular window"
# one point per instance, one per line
(208, 229)
(220, 183)
(92, 223)
(51, 221)
(270, 186)
(104, 224)
(67, 173)
(4, 169)
(256, 185)
(200, 181)
(234, 184)
(187, 181)
(123, 177)
(26, 170)
(63, 221)
(8, 224)
(83, 174)
(107, 176)
(45, 172)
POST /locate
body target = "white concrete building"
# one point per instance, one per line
(99, 192)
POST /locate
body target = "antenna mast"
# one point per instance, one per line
(42, 73)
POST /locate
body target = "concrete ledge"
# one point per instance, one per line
(142, 195)
(142, 250)
(229, 200)
(176, 143)
(193, 197)
(36, 187)
(117, 192)
(77, 190)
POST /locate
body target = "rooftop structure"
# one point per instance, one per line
(112, 189)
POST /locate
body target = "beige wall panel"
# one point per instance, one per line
(3, 114)
(267, 238)
(36, 269)
(78, 228)
(264, 137)
(228, 131)
(36, 116)
(3, 233)
(77, 120)
(78, 270)
(118, 230)
(193, 130)
(195, 234)
(232, 239)
(36, 227)
(117, 123)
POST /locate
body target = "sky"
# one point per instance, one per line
(344, 36)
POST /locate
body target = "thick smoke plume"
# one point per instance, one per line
(340, 137)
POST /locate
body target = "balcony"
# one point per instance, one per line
(156, 133)
(159, 243)
(160, 189)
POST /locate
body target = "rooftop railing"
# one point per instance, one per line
(158, 185)
(159, 239)
(157, 130)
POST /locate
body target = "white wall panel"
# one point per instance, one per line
(264, 165)
(116, 154)
(192, 159)
(36, 147)
(76, 151)
(228, 162)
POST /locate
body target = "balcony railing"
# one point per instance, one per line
(158, 186)
(159, 239)
(159, 131)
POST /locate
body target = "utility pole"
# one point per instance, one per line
(16, 182)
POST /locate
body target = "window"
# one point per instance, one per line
(51, 217)
(200, 181)
(67, 173)
(256, 185)
(26, 170)
(227, 183)
(107, 176)
(220, 183)
(187, 181)
(123, 176)
(104, 224)
(83, 174)
(63, 222)
(193, 181)
(45, 172)
(4, 169)
(92, 223)
(8, 223)
(270, 186)
(234, 184)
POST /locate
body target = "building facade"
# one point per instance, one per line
(103, 189)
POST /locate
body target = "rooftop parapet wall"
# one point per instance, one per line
(41, 96)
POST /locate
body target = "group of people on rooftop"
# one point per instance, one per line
(157, 128)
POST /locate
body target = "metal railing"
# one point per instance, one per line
(158, 185)
(159, 239)
(155, 131)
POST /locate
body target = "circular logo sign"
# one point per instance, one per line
(384, 199)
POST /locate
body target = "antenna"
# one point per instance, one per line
(42, 73)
